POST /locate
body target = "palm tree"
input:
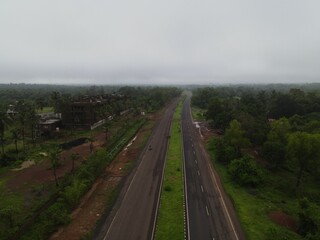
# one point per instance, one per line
(15, 137)
(74, 157)
(4, 122)
(22, 119)
(54, 158)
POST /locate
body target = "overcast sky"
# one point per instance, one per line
(159, 41)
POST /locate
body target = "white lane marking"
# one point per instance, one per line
(198, 173)
(116, 214)
(196, 161)
(207, 211)
(223, 202)
(192, 144)
(194, 153)
(201, 188)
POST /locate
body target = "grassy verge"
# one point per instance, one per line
(170, 222)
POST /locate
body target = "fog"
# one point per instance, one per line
(159, 42)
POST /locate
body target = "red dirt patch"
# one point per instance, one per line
(284, 220)
(42, 172)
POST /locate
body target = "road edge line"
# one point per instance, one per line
(160, 189)
(186, 205)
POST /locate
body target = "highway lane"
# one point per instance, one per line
(210, 213)
(133, 216)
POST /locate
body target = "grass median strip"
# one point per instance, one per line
(170, 222)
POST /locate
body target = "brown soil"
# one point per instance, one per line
(206, 131)
(93, 204)
(284, 220)
(42, 172)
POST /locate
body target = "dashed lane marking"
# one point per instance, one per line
(207, 211)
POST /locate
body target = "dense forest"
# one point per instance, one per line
(266, 134)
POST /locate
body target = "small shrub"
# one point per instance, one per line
(168, 188)
(281, 234)
(74, 192)
(245, 171)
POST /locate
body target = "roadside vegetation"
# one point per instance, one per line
(33, 209)
(170, 222)
(267, 153)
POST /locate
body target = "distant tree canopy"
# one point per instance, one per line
(283, 125)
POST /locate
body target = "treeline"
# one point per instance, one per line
(19, 129)
(280, 127)
(149, 98)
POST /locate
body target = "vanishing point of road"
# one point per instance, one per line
(209, 213)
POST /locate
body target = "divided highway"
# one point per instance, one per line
(208, 216)
(133, 216)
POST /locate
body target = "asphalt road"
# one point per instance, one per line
(210, 214)
(133, 216)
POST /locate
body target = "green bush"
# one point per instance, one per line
(278, 233)
(224, 153)
(245, 171)
(74, 192)
(274, 153)
(308, 219)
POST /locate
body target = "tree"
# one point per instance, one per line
(307, 223)
(303, 149)
(55, 98)
(220, 111)
(10, 207)
(4, 122)
(74, 157)
(15, 137)
(275, 153)
(22, 119)
(256, 128)
(54, 158)
(32, 120)
(234, 136)
(245, 171)
(224, 153)
(27, 119)
(279, 131)
(40, 103)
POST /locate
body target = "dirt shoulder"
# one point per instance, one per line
(95, 202)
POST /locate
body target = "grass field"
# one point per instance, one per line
(45, 110)
(170, 222)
